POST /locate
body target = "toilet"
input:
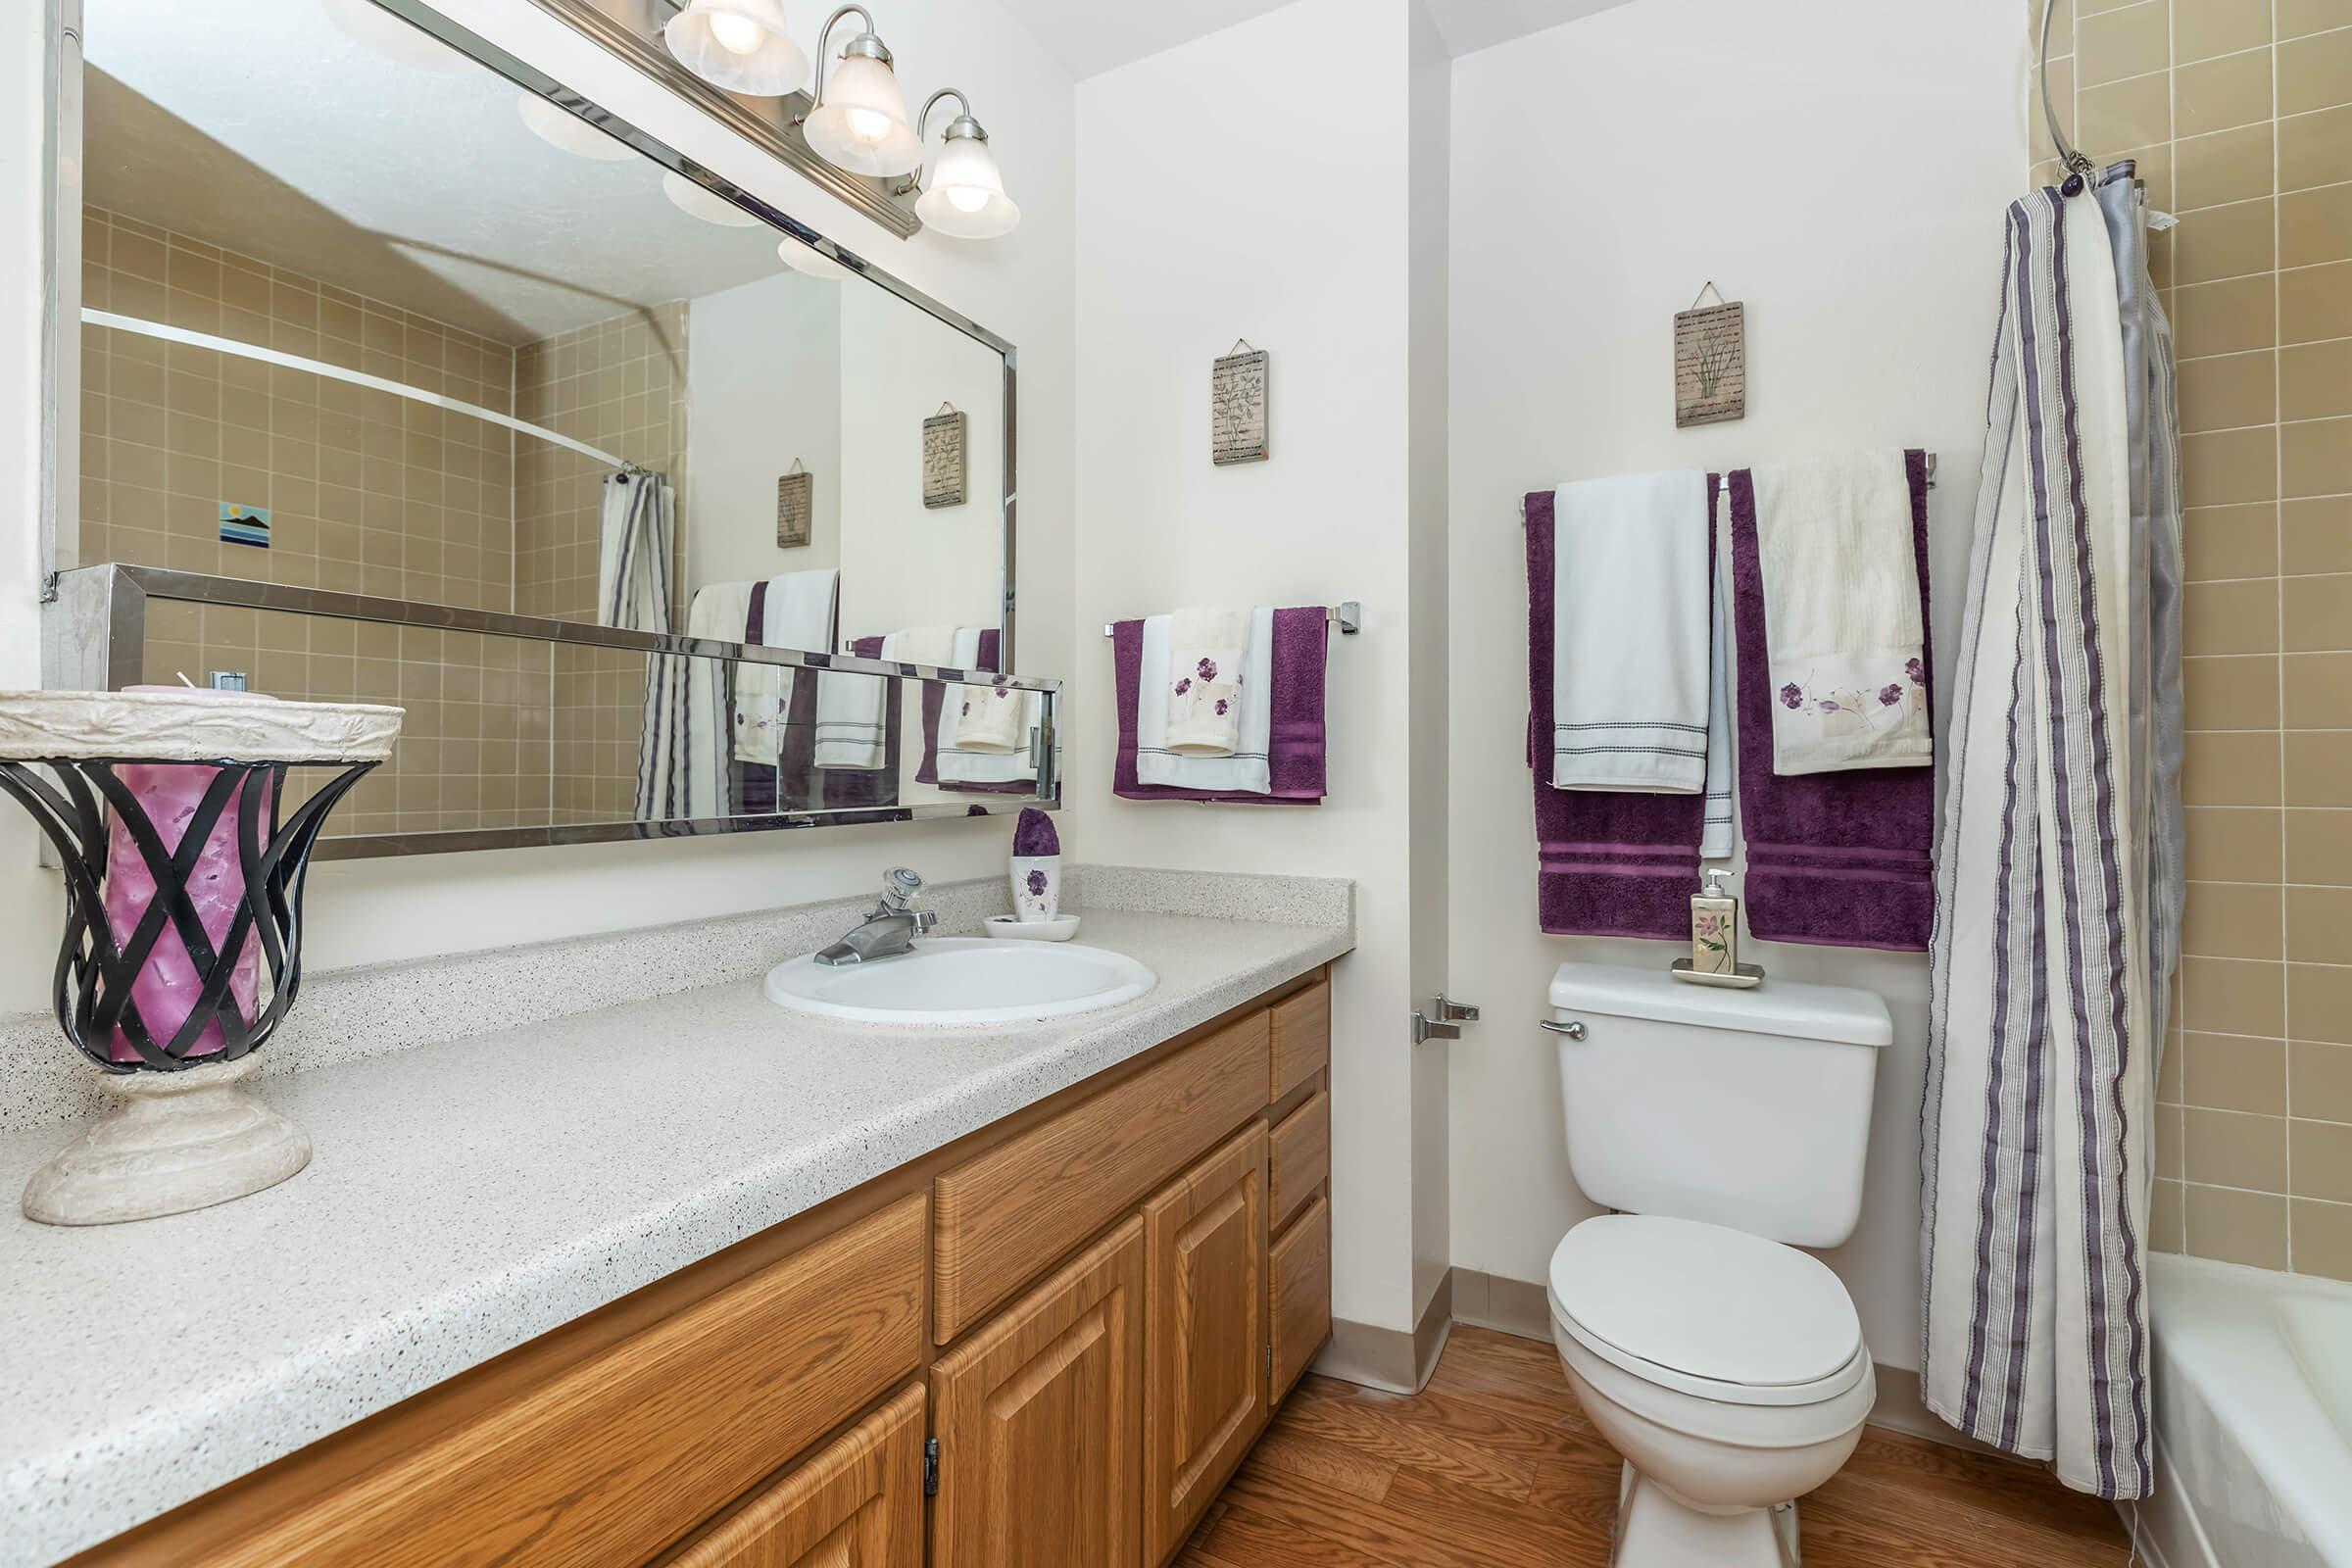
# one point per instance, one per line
(1728, 1129)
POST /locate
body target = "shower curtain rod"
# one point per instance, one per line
(295, 362)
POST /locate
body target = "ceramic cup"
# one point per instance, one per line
(1036, 886)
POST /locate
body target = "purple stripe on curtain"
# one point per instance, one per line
(1296, 755)
(1834, 859)
(1607, 864)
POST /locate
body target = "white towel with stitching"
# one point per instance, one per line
(1247, 770)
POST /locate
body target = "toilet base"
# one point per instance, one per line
(1655, 1529)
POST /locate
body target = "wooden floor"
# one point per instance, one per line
(1494, 1466)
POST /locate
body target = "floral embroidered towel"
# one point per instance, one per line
(1842, 611)
(1244, 770)
(1205, 692)
(989, 713)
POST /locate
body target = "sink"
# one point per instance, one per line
(949, 980)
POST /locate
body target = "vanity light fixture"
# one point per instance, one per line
(859, 120)
(559, 128)
(696, 201)
(965, 197)
(740, 45)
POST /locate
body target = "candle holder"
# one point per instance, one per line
(183, 889)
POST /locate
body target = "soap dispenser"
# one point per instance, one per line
(1715, 937)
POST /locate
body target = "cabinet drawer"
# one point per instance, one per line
(1302, 1038)
(1301, 1158)
(622, 1453)
(1007, 1216)
(1299, 1287)
(857, 1504)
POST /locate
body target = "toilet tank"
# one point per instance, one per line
(1745, 1108)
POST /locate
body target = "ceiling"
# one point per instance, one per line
(386, 164)
(1092, 37)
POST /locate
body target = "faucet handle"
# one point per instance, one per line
(924, 920)
(899, 887)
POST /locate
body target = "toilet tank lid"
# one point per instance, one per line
(1838, 1014)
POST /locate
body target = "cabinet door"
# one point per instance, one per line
(1039, 1422)
(1301, 1270)
(1205, 1337)
(858, 1504)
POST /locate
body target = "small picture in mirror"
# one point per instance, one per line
(943, 458)
(794, 507)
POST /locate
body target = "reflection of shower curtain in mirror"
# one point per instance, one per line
(2059, 863)
(636, 534)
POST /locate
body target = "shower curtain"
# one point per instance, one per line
(681, 763)
(2058, 860)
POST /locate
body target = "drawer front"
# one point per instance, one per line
(858, 1504)
(1302, 1038)
(1005, 1216)
(1301, 1158)
(622, 1455)
(1298, 1276)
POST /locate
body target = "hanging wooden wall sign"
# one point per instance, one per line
(795, 506)
(943, 458)
(1711, 361)
(1236, 406)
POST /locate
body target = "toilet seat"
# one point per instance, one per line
(1708, 1311)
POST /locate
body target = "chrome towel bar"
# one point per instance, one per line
(1347, 615)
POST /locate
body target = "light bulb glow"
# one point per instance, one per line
(868, 124)
(967, 198)
(737, 34)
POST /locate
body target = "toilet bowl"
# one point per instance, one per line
(1727, 1369)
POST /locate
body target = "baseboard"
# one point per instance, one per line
(1390, 1358)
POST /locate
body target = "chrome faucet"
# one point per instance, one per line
(888, 929)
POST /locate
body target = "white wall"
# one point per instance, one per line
(1020, 286)
(762, 392)
(1195, 230)
(1842, 167)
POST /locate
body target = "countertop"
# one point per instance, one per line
(470, 1196)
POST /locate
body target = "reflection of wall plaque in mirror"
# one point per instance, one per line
(1711, 361)
(794, 507)
(943, 458)
(1236, 406)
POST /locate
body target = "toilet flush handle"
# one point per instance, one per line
(1573, 1028)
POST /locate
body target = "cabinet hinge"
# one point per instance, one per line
(1269, 1362)
(931, 1464)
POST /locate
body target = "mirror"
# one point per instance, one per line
(368, 312)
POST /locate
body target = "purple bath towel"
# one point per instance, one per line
(1296, 760)
(1608, 864)
(1835, 860)
(935, 697)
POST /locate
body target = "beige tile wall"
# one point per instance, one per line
(2240, 114)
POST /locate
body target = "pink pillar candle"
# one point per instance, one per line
(169, 984)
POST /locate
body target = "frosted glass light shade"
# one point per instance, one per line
(965, 194)
(863, 124)
(810, 260)
(568, 131)
(738, 44)
(695, 202)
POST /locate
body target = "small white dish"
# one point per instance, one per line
(1059, 929)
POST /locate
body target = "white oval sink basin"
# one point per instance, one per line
(949, 980)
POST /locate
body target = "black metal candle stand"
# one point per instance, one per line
(95, 972)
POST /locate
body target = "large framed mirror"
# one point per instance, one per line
(373, 314)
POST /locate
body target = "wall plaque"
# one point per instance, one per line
(1711, 361)
(943, 458)
(796, 507)
(1236, 406)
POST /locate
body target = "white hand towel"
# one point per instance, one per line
(1715, 837)
(853, 716)
(797, 613)
(1206, 695)
(1247, 772)
(1842, 615)
(987, 763)
(1631, 640)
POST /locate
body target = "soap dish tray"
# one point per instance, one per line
(1746, 978)
(1060, 929)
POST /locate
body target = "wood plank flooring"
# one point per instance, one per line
(1494, 1466)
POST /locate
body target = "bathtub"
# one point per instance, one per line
(2253, 1375)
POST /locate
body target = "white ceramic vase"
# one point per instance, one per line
(1036, 886)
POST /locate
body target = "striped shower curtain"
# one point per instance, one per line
(2058, 860)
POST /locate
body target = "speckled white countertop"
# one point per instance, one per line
(467, 1197)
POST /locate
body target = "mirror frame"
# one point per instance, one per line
(93, 616)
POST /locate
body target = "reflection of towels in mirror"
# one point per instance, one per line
(1246, 769)
(1205, 699)
(852, 711)
(984, 736)
(797, 613)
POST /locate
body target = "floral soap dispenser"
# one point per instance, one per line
(1715, 939)
(1036, 868)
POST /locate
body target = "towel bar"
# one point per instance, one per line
(1347, 615)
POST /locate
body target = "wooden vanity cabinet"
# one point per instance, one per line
(858, 1504)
